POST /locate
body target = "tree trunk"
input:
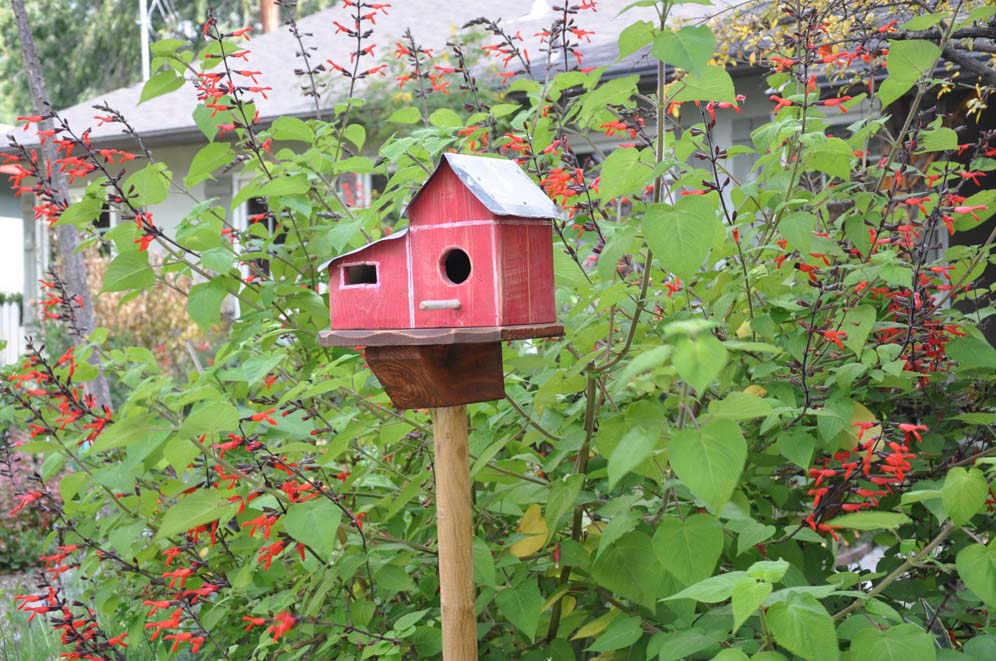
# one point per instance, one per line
(71, 266)
(269, 15)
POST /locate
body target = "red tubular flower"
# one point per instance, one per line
(909, 429)
(831, 103)
(779, 102)
(253, 622)
(268, 553)
(975, 177)
(264, 415)
(282, 623)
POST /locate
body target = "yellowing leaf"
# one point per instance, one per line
(534, 525)
(596, 627)
(862, 414)
(756, 390)
(744, 329)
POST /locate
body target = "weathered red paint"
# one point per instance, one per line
(510, 281)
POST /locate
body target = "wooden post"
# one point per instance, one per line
(454, 529)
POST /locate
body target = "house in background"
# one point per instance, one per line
(166, 123)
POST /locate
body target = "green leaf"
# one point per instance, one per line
(315, 524)
(709, 460)
(689, 549)
(870, 520)
(682, 235)
(977, 567)
(711, 590)
(629, 568)
(858, 324)
(803, 626)
(445, 118)
(798, 228)
(81, 213)
(208, 159)
(634, 37)
(622, 633)
(196, 509)
(739, 405)
(747, 595)
(406, 115)
(210, 418)
(632, 450)
(289, 185)
(161, 83)
(689, 48)
(940, 138)
(521, 606)
(712, 84)
(149, 186)
(699, 361)
(484, 564)
(625, 172)
(907, 62)
(972, 353)
(291, 129)
(831, 156)
(964, 493)
(904, 642)
(127, 271)
(204, 303)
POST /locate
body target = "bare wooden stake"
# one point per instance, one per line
(454, 529)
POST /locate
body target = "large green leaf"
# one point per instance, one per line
(625, 172)
(711, 590)
(621, 634)
(977, 567)
(908, 61)
(831, 156)
(314, 523)
(161, 83)
(709, 460)
(689, 48)
(196, 509)
(629, 568)
(904, 642)
(209, 158)
(803, 626)
(699, 361)
(210, 418)
(148, 186)
(204, 303)
(870, 520)
(748, 595)
(129, 270)
(689, 549)
(964, 493)
(713, 83)
(682, 235)
(633, 450)
(521, 606)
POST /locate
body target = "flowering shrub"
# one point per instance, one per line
(757, 374)
(23, 528)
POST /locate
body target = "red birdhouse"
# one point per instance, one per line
(474, 266)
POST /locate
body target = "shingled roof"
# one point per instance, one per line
(168, 118)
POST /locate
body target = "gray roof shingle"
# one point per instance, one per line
(168, 118)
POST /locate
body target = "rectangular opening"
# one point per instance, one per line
(361, 274)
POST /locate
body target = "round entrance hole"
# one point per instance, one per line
(456, 265)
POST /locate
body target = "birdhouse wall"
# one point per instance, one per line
(438, 281)
(384, 304)
(446, 200)
(525, 272)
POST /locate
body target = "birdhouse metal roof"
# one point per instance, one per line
(499, 184)
(390, 237)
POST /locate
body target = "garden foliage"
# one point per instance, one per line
(757, 376)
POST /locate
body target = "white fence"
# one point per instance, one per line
(11, 331)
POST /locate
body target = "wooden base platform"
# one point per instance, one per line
(393, 337)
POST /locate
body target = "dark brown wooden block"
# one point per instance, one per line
(417, 377)
(430, 336)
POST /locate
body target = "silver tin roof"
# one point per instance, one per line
(500, 185)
